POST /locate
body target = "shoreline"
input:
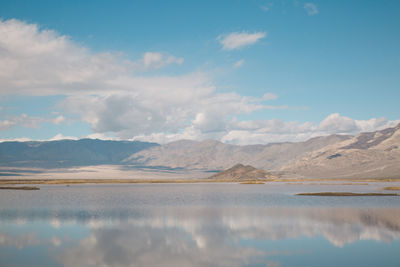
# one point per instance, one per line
(289, 181)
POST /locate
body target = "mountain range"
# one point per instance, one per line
(67, 153)
(367, 155)
(214, 155)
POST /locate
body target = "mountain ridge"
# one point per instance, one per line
(366, 155)
(219, 156)
(67, 153)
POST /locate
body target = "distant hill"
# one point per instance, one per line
(367, 155)
(67, 153)
(214, 155)
(240, 172)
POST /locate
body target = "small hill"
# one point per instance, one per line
(240, 172)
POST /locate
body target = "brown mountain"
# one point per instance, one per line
(214, 155)
(367, 155)
(240, 172)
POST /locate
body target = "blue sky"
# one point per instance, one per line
(237, 71)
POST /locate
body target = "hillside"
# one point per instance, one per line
(240, 172)
(367, 155)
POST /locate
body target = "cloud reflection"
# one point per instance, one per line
(19, 241)
(212, 237)
(207, 236)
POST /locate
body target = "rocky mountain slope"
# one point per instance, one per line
(214, 155)
(367, 155)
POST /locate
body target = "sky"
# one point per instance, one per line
(241, 72)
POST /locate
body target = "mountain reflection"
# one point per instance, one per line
(199, 236)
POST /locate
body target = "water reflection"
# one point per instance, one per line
(195, 236)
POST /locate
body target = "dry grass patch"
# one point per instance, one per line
(354, 184)
(252, 182)
(394, 188)
(19, 187)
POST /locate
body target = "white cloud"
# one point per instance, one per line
(269, 96)
(238, 63)
(27, 121)
(311, 9)
(100, 136)
(131, 115)
(104, 91)
(60, 119)
(156, 60)
(6, 124)
(237, 40)
(271, 131)
(41, 62)
(338, 124)
(21, 139)
(62, 137)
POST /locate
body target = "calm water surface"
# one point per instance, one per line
(197, 225)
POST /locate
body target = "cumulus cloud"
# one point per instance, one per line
(237, 40)
(104, 90)
(132, 115)
(340, 124)
(337, 123)
(41, 62)
(271, 131)
(311, 9)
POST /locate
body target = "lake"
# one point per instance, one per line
(198, 225)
